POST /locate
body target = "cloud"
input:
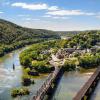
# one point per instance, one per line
(1, 12)
(53, 8)
(98, 16)
(56, 17)
(35, 6)
(54, 11)
(30, 6)
(68, 12)
(30, 19)
(22, 15)
(47, 16)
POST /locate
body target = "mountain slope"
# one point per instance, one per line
(13, 36)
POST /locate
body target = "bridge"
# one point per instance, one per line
(86, 91)
(48, 85)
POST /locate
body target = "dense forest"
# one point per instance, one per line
(85, 39)
(13, 36)
(38, 56)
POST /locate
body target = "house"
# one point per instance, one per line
(45, 52)
(69, 50)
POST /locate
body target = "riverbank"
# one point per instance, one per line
(9, 48)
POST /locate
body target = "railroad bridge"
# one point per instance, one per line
(88, 88)
(49, 85)
(52, 81)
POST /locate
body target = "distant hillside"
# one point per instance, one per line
(13, 36)
(81, 40)
(68, 33)
(73, 33)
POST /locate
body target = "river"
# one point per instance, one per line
(96, 94)
(10, 79)
(69, 85)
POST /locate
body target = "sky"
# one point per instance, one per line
(58, 15)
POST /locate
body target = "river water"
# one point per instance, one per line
(69, 85)
(96, 94)
(10, 79)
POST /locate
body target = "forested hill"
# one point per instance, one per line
(10, 32)
(13, 36)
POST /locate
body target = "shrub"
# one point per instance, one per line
(89, 60)
(33, 73)
(69, 65)
(26, 81)
(19, 92)
(41, 66)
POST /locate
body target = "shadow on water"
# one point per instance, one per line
(94, 95)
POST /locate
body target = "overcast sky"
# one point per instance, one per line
(59, 15)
